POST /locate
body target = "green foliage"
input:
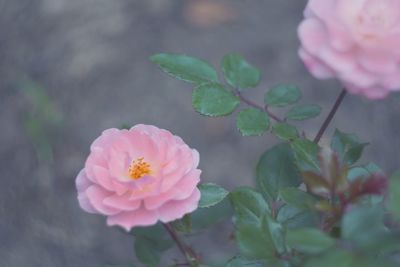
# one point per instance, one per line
(277, 169)
(253, 241)
(357, 172)
(150, 243)
(183, 225)
(306, 154)
(344, 258)
(252, 121)
(297, 198)
(238, 72)
(333, 258)
(250, 207)
(364, 225)
(206, 217)
(299, 210)
(212, 99)
(258, 236)
(293, 218)
(149, 251)
(394, 195)
(282, 95)
(372, 168)
(240, 261)
(347, 146)
(275, 232)
(303, 112)
(285, 131)
(211, 194)
(309, 240)
(248, 204)
(186, 68)
(339, 221)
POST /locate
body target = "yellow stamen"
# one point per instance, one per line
(139, 168)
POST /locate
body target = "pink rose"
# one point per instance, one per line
(139, 176)
(356, 41)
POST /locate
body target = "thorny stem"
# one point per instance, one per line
(257, 106)
(187, 252)
(330, 116)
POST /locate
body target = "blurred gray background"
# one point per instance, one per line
(72, 68)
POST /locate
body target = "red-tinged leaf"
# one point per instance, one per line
(375, 185)
(315, 182)
(332, 170)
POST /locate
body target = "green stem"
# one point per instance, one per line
(257, 106)
(330, 116)
(188, 253)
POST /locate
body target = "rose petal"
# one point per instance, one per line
(317, 68)
(96, 195)
(85, 204)
(121, 202)
(82, 182)
(130, 219)
(176, 209)
(183, 189)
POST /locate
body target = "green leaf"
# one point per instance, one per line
(373, 168)
(240, 261)
(297, 198)
(293, 218)
(212, 99)
(333, 258)
(309, 240)
(355, 173)
(275, 232)
(183, 225)
(253, 241)
(211, 194)
(150, 232)
(354, 153)
(282, 95)
(204, 218)
(149, 251)
(260, 239)
(306, 153)
(186, 68)
(386, 243)
(252, 121)
(285, 131)
(276, 169)
(150, 243)
(238, 73)
(394, 195)
(248, 205)
(344, 258)
(347, 146)
(303, 112)
(363, 225)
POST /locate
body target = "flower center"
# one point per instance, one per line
(139, 168)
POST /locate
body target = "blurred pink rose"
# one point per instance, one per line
(139, 176)
(356, 41)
